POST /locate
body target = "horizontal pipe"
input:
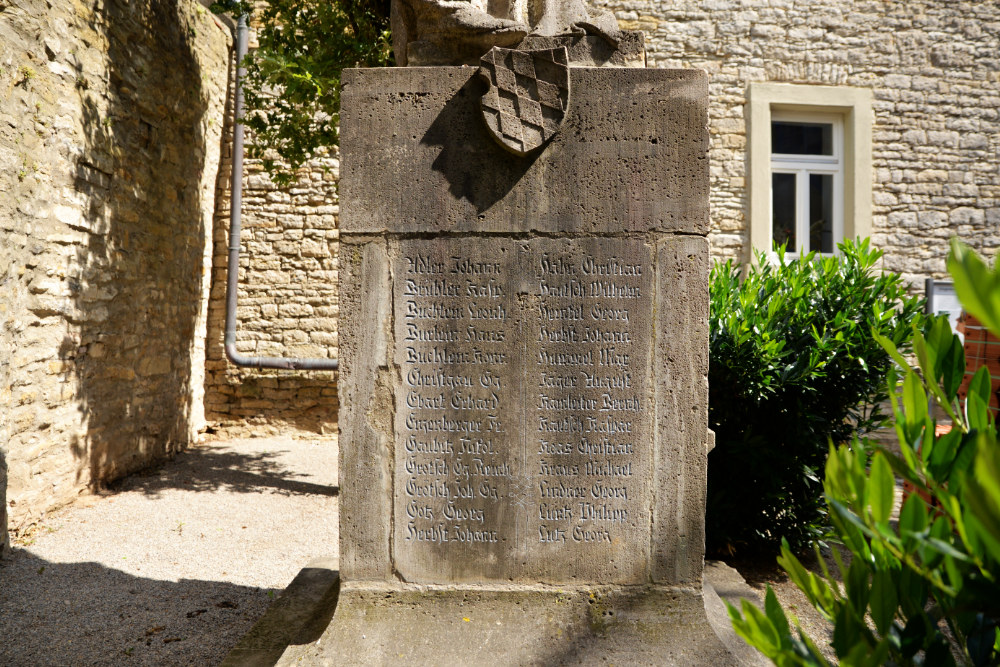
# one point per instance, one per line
(235, 209)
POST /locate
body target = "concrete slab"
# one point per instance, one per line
(299, 616)
(723, 583)
(609, 625)
(295, 628)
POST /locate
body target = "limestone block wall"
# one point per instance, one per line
(110, 124)
(288, 299)
(933, 67)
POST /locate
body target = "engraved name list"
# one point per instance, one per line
(523, 417)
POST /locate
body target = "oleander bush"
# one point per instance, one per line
(923, 589)
(793, 365)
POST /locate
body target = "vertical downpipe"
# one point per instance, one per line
(233, 266)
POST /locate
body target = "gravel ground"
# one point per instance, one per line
(172, 566)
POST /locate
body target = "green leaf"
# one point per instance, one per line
(962, 462)
(881, 487)
(946, 549)
(956, 577)
(884, 600)
(981, 494)
(942, 454)
(759, 631)
(856, 586)
(914, 406)
(926, 355)
(293, 78)
(776, 614)
(901, 468)
(913, 516)
(793, 365)
(942, 531)
(977, 287)
(847, 631)
(912, 592)
(978, 400)
(820, 595)
(891, 348)
(953, 366)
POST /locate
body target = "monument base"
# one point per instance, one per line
(634, 625)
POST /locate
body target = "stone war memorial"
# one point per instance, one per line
(524, 327)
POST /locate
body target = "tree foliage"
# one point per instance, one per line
(923, 590)
(292, 84)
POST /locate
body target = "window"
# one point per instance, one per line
(809, 165)
(807, 182)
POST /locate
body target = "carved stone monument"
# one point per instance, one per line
(459, 32)
(524, 337)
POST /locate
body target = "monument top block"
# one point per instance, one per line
(630, 156)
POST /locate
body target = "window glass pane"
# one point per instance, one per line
(801, 138)
(821, 212)
(783, 210)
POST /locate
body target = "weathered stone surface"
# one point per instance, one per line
(593, 51)
(288, 300)
(598, 625)
(4, 535)
(366, 437)
(443, 32)
(630, 156)
(109, 146)
(680, 360)
(541, 419)
(299, 616)
(528, 411)
(523, 410)
(724, 584)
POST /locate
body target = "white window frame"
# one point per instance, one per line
(854, 107)
(802, 166)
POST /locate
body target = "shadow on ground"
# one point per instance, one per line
(205, 469)
(88, 614)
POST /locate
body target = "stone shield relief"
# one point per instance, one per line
(527, 98)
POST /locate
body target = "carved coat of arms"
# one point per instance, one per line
(527, 98)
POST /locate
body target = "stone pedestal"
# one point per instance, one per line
(523, 387)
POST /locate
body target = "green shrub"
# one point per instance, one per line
(924, 590)
(792, 365)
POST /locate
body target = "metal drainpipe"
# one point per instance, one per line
(236, 204)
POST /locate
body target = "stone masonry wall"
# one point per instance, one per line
(933, 66)
(288, 299)
(110, 123)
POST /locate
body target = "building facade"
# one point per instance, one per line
(909, 93)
